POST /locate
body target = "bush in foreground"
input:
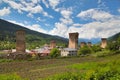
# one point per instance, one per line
(102, 53)
(54, 53)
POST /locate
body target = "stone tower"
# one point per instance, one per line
(73, 40)
(52, 44)
(89, 44)
(82, 44)
(20, 41)
(103, 42)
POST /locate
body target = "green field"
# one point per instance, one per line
(76, 68)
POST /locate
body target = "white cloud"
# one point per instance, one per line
(40, 19)
(59, 29)
(30, 15)
(99, 29)
(119, 10)
(35, 1)
(96, 29)
(54, 3)
(32, 7)
(5, 11)
(95, 14)
(46, 14)
(77, 25)
(66, 21)
(66, 13)
(45, 3)
(36, 9)
(14, 5)
(48, 25)
(37, 27)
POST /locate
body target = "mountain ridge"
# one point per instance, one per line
(8, 30)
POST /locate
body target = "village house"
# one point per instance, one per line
(68, 52)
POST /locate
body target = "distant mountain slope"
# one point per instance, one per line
(114, 37)
(8, 30)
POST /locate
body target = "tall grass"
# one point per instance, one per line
(109, 70)
(12, 76)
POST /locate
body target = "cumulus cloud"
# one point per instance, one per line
(35, 1)
(89, 30)
(36, 9)
(97, 29)
(37, 27)
(14, 5)
(66, 21)
(32, 7)
(66, 16)
(5, 11)
(95, 14)
(66, 13)
(104, 24)
(59, 29)
(54, 3)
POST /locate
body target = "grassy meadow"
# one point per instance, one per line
(72, 68)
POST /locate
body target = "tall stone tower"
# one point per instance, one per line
(73, 40)
(52, 44)
(103, 42)
(20, 41)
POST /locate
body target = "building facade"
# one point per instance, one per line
(68, 52)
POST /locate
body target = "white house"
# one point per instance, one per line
(68, 52)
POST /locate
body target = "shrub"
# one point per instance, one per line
(54, 53)
(114, 45)
(102, 53)
(84, 50)
(96, 48)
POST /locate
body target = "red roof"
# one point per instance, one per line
(45, 51)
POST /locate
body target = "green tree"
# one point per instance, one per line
(54, 53)
(114, 45)
(96, 48)
(85, 50)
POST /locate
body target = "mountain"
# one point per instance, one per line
(33, 38)
(93, 40)
(114, 37)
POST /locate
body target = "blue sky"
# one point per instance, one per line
(90, 18)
